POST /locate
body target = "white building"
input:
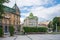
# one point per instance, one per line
(31, 21)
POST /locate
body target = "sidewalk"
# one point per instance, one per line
(16, 37)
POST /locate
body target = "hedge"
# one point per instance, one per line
(35, 29)
(1, 31)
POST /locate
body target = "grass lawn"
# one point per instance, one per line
(54, 33)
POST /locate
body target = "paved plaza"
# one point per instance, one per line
(33, 37)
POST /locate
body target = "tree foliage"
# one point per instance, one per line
(3, 1)
(1, 12)
(11, 30)
(56, 20)
(1, 31)
(34, 29)
(1, 7)
(50, 24)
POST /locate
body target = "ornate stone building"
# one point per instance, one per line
(11, 17)
(31, 21)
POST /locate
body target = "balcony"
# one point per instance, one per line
(7, 17)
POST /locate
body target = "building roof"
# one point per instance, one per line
(43, 23)
(16, 8)
(8, 9)
(31, 16)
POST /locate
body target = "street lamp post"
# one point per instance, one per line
(56, 27)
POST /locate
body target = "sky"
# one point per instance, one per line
(45, 10)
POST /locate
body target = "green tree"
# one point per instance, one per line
(1, 31)
(56, 20)
(50, 25)
(1, 17)
(1, 7)
(11, 30)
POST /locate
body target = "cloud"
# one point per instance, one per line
(22, 3)
(43, 13)
(29, 2)
(25, 15)
(22, 19)
(10, 4)
(46, 13)
(43, 9)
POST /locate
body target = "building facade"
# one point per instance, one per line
(11, 16)
(43, 24)
(31, 21)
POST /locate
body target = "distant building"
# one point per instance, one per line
(11, 17)
(31, 21)
(43, 24)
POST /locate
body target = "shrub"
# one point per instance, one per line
(35, 29)
(11, 30)
(1, 31)
(42, 29)
(58, 28)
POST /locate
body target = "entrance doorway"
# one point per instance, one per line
(6, 29)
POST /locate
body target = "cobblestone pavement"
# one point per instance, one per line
(33, 37)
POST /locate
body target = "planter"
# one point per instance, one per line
(36, 32)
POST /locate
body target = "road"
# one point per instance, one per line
(34, 37)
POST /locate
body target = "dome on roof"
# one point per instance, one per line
(16, 7)
(31, 14)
